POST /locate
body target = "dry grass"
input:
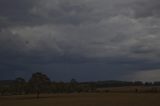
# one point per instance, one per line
(94, 99)
(128, 89)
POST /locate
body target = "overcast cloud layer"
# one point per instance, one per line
(87, 39)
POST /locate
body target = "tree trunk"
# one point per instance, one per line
(38, 94)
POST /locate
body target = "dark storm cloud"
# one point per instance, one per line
(71, 12)
(15, 12)
(63, 12)
(114, 38)
(147, 8)
(30, 12)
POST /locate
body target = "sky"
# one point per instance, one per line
(88, 40)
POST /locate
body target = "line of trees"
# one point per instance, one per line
(40, 83)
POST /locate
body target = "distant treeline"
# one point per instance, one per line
(40, 83)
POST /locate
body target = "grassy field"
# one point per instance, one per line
(84, 99)
(127, 89)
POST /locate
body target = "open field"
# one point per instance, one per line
(131, 89)
(84, 99)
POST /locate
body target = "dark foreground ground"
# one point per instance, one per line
(85, 99)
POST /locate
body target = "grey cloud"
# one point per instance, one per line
(113, 33)
(16, 12)
(147, 8)
(63, 12)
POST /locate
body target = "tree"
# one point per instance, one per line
(138, 83)
(73, 86)
(19, 85)
(73, 81)
(157, 83)
(39, 83)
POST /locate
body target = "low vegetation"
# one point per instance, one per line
(41, 84)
